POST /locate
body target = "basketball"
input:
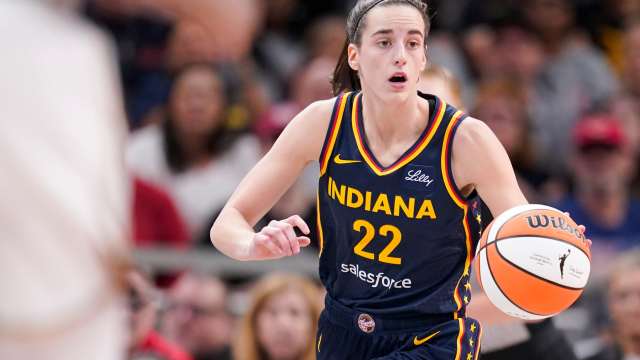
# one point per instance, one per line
(532, 262)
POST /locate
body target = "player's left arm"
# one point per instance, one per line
(480, 161)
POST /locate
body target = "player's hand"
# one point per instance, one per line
(279, 239)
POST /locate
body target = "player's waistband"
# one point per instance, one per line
(370, 322)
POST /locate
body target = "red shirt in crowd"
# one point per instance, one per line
(156, 220)
(156, 347)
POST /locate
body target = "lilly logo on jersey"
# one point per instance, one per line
(418, 177)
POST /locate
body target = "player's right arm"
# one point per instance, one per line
(299, 144)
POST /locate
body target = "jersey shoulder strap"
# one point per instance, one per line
(333, 130)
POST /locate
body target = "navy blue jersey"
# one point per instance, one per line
(395, 240)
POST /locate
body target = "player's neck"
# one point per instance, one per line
(393, 122)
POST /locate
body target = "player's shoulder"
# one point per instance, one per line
(472, 132)
(320, 109)
(308, 127)
(316, 116)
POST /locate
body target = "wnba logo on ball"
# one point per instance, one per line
(556, 222)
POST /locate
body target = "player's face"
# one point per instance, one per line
(624, 302)
(392, 51)
(284, 326)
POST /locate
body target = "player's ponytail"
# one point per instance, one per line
(344, 77)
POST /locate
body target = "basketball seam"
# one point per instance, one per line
(504, 294)
(532, 274)
(556, 239)
(535, 236)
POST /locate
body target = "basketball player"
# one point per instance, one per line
(397, 206)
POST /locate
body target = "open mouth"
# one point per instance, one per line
(398, 78)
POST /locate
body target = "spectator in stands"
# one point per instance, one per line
(439, 81)
(140, 37)
(187, 44)
(623, 295)
(324, 38)
(156, 220)
(278, 51)
(631, 67)
(574, 78)
(145, 341)
(191, 154)
(198, 318)
(502, 104)
(603, 166)
(479, 43)
(522, 54)
(607, 24)
(627, 109)
(309, 84)
(280, 323)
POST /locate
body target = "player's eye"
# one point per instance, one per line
(413, 44)
(384, 43)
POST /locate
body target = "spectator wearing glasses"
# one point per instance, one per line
(145, 342)
(197, 317)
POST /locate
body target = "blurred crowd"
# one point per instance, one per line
(209, 85)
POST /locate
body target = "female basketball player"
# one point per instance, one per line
(397, 213)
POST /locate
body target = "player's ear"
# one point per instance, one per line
(353, 57)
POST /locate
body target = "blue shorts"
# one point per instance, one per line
(347, 334)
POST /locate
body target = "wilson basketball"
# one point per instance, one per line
(532, 262)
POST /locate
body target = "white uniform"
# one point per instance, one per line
(64, 192)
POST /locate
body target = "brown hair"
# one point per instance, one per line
(246, 346)
(344, 77)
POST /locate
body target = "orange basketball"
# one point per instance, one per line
(532, 262)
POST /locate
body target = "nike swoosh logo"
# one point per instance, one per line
(418, 342)
(337, 160)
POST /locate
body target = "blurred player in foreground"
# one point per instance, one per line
(64, 208)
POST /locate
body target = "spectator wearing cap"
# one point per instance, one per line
(602, 166)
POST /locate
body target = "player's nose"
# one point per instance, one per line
(399, 55)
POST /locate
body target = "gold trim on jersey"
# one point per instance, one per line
(407, 157)
(333, 133)
(450, 186)
(459, 339)
(319, 225)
